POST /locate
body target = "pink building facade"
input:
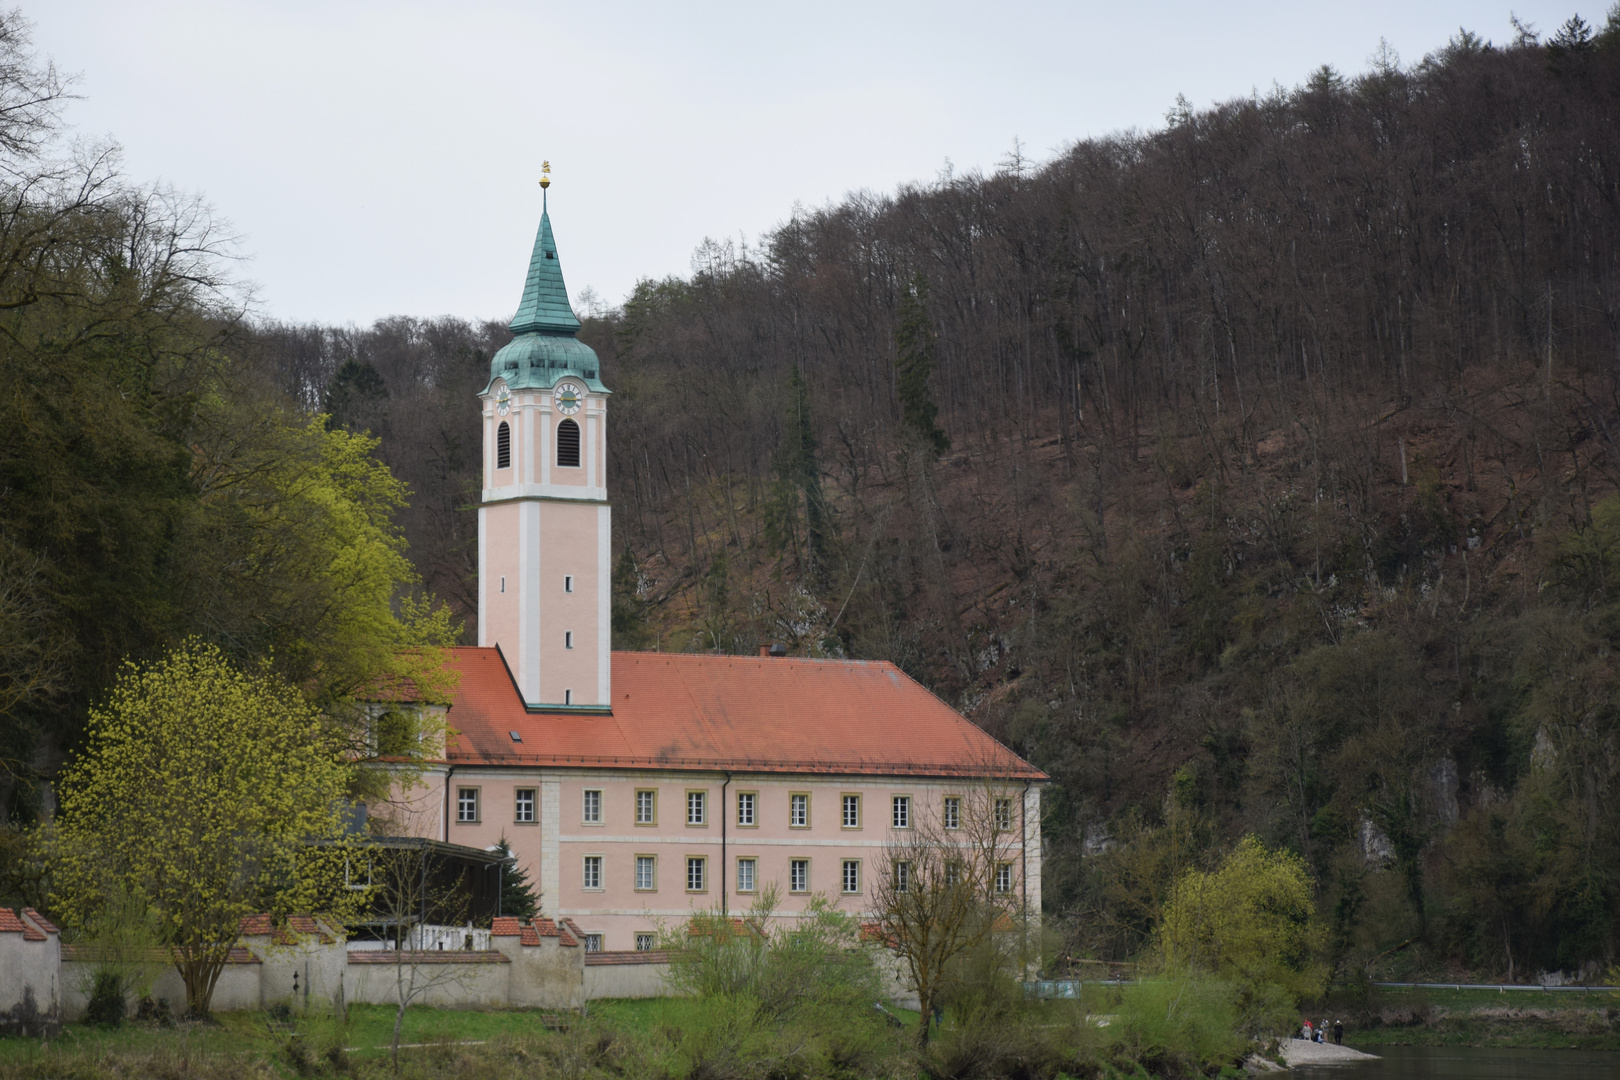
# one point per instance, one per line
(636, 788)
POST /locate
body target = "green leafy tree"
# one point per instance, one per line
(1250, 920)
(211, 792)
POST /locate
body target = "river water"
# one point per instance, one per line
(1471, 1063)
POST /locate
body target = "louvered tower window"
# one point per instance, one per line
(503, 446)
(568, 443)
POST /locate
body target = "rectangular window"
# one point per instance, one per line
(646, 873)
(902, 876)
(568, 697)
(593, 942)
(799, 875)
(1004, 877)
(951, 816)
(1004, 814)
(695, 866)
(568, 583)
(646, 807)
(852, 876)
(953, 873)
(902, 811)
(593, 872)
(525, 804)
(593, 808)
(467, 804)
(852, 811)
(745, 808)
(697, 808)
(799, 810)
(646, 942)
(503, 583)
(745, 874)
(568, 639)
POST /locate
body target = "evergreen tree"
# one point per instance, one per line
(630, 625)
(914, 363)
(517, 894)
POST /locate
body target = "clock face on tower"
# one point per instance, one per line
(568, 397)
(503, 401)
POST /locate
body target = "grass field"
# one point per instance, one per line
(439, 1043)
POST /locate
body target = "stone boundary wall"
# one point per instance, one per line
(627, 975)
(302, 964)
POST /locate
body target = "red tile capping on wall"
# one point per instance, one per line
(613, 959)
(428, 956)
(256, 925)
(40, 921)
(9, 923)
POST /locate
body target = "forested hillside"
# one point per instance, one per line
(1253, 474)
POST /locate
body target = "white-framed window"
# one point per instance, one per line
(593, 942)
(467, 804)
(568, 697)
(852, 811)
(353, 880)
(697, 807)
(646, 807)
(902, 876)
(745, 808)
(696, 871)
(852, 876)
(592, 809)
(799, 875)
(902, 811)
(745, 874)
(568, 583)
(646, 942)
(524, 804)
(568, 639)
(1004, 877)
(1004, 814)
(953, 872)
(646, 873)
(951, 814)
(799, 810)
(592, 878)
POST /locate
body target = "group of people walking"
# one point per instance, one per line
(1319, 1033)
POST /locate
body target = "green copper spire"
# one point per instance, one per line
(544, 348)
(545, 298)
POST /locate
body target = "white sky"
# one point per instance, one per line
(381, 158)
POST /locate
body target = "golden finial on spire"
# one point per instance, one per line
(545, 174)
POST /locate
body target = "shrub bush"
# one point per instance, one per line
(106, 1007)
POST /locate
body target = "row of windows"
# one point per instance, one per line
(567, 445)
(697, 808)
(697, 874)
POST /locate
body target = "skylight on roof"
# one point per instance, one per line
(516, 736)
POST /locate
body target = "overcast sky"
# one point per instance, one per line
(382, 158)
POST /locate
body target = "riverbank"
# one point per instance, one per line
(1485, 1018)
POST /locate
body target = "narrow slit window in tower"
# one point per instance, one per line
(503, 446)
(568, 443)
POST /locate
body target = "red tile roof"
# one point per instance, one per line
(757, 714)
(505, 926)
(9, 923)
(257, 925)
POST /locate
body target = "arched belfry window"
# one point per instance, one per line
(568, 443)
(503, 446)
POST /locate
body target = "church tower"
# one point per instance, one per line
(544, 570)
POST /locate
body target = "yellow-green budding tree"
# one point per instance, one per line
(214, 793)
